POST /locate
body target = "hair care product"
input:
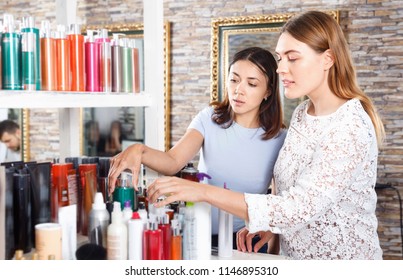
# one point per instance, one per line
(91, 62)
(127, 69)
(63, 59)
(125, 191)
(176, 241)
(116, 53)
(98, 221)
(143, 213)
(127, 211)
(189, 249)
(152, 242)
(135, 66)
(105, 67)
(135, 237)
(225, 233)
(48, 240)
(77, 69)
(88, 182)
(165, 227)
(11, 58)
(68, 220)
(30, 46)
(116, 245)
(47, 58)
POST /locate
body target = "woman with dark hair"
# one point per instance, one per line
(238, 138)
(325, 174)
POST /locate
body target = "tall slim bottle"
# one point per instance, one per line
(31, 54)
(76, 40)
(117, 235)
(105, 67)
(135, 67)
(48, 58)
(127, 70)
(91, 63)
(63, 59)
(116, 52)
(11, 55)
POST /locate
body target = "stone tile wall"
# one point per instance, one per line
(373, 29)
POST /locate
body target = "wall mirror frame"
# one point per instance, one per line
(135, 31)
(231, 34)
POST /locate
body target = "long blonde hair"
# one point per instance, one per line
(321, 32)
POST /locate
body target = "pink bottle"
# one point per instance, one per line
(105, 66)
(91, 63)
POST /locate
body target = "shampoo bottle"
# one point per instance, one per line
(30, 46)
(48, 58)
(116, 53)
(91, 63)
(98, 221)
(116, 245)
(165, 227)
(77, 69)
(105, 67)
(63, 60)
(135, 237)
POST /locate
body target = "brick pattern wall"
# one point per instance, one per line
(373, 29)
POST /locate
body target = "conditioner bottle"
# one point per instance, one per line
(117, 235)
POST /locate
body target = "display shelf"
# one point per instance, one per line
(55, 99)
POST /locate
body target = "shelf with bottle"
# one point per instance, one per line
(56, 99)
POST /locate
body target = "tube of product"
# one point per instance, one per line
(63, 59)
(31, 69)
(48, 58)
(105, 67)
(91, 63)
(76, 40)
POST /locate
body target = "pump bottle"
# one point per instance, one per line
(98, 221)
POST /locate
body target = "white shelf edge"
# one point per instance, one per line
(53, 99)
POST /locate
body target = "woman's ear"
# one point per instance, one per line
(328, 59)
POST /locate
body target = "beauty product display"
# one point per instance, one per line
(48, 242)
(116, 244)
(99, 220)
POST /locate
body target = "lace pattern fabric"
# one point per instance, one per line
(325, 176)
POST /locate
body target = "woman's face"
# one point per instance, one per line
(247, 87)
(301, 70)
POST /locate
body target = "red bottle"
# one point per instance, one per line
(152, 242)
(165, 227)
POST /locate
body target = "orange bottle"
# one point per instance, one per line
(48, 58)
(76, 40)
(63, 60)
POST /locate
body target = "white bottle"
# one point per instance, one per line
(225, 234)
(127, 212)
(98, 221)
(135, 237)
(202, 214)
(189, 249)
(116, 247)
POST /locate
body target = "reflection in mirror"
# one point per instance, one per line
(230, 35)
(98, 137)
(11, 144)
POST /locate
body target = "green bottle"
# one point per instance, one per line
(125, 191)
(10, 56)
(127, 70)
(30, 44)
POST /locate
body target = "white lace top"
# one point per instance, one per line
(325, 176)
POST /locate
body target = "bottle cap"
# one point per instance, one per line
(127, 204)
(98, 202)
(136, 215)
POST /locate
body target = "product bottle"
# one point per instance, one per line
(116, 52)
(189, 249)
(116, 245)
(135, 237)
(152, 242)
(143, 213)
(98, 221)
(225, 233)
(105, 67)
(127, 68)
(189, 172)
(30, 44)
(11, 55)
(135, 67)
(176, 241)
(63, 59)
(165, 227)
(76, 40)
(125, 191)
(127, 211)
(48, 58)
(91, 63)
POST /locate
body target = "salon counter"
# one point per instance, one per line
(238, 255)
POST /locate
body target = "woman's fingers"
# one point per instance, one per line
(240, 239)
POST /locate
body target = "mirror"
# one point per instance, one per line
(21, 118)
(232, 34)
(99, 124)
